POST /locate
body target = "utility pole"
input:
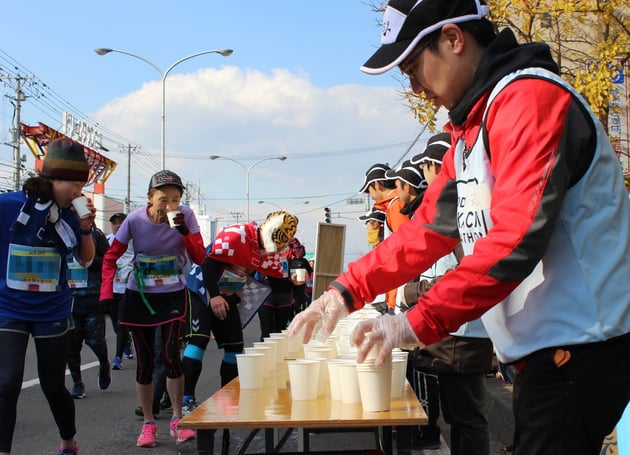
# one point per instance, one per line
(17, 159)
(130, 148)
(236, 214)
(201, 209)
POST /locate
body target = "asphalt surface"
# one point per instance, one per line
(106, 423)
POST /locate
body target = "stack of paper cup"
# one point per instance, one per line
(304, 379)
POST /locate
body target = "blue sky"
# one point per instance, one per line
(292, 87)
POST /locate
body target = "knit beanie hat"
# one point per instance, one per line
(65, 160)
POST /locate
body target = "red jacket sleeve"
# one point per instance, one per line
(116, 250)
(194, 247)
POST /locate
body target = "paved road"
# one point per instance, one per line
(106, 422)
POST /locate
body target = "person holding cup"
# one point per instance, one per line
(156, 297)
(300, 272)
(40, 229)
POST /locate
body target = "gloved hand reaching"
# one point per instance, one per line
(388, 332)
(180, 224)
(329, 308)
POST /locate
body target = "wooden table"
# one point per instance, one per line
(271, 408)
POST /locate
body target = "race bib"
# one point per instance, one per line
(77, 276)
(230, 282)
(158, 270)
(34, 269)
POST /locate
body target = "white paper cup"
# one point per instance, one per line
(300, 274)
(334, 376)
(375, 385)
(273, 357)
(266, 351)
(295, 345)
(349, 382)
(322, 388)
(283, 345)
(276, 346)
(171, 218)
(80, 205)
(304, 378)
(398, 376)
(311, 352)
(251, 370)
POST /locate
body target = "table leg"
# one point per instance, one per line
(269, 440)
(307, 440)
(205, 442)
(386, 440)
(404, 440)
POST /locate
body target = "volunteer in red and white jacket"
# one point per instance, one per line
(537, 199)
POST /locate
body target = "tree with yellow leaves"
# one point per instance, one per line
(589, 39)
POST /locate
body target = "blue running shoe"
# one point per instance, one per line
(78, 390)
(117, 363)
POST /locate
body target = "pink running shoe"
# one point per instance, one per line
(147, 435)
(72, 451)
(181, 435)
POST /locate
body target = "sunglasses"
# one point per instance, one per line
(408, 69)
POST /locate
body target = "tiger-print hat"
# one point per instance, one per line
(277, 231)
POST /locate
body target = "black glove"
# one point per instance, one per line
(180, 224)
(105, 306)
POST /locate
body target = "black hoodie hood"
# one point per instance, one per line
(502, 57)
(410, 208)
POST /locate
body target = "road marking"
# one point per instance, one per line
(32, 382)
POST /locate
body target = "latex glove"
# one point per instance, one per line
(329, 308)
(387, 332)
(180, 224)
(219, 306)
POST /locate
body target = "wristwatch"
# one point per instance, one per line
(85, 231)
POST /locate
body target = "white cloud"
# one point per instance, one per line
(243, 112)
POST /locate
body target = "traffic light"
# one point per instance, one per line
(327, 215)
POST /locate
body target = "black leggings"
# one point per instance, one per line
(144, 342)
(52, 354)
(88, 328)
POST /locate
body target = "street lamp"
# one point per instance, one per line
(286, 209)
(163, 74)
(247, 169)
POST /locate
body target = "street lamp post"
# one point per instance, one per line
(247, 169)
(163, 75)
(286, 209)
